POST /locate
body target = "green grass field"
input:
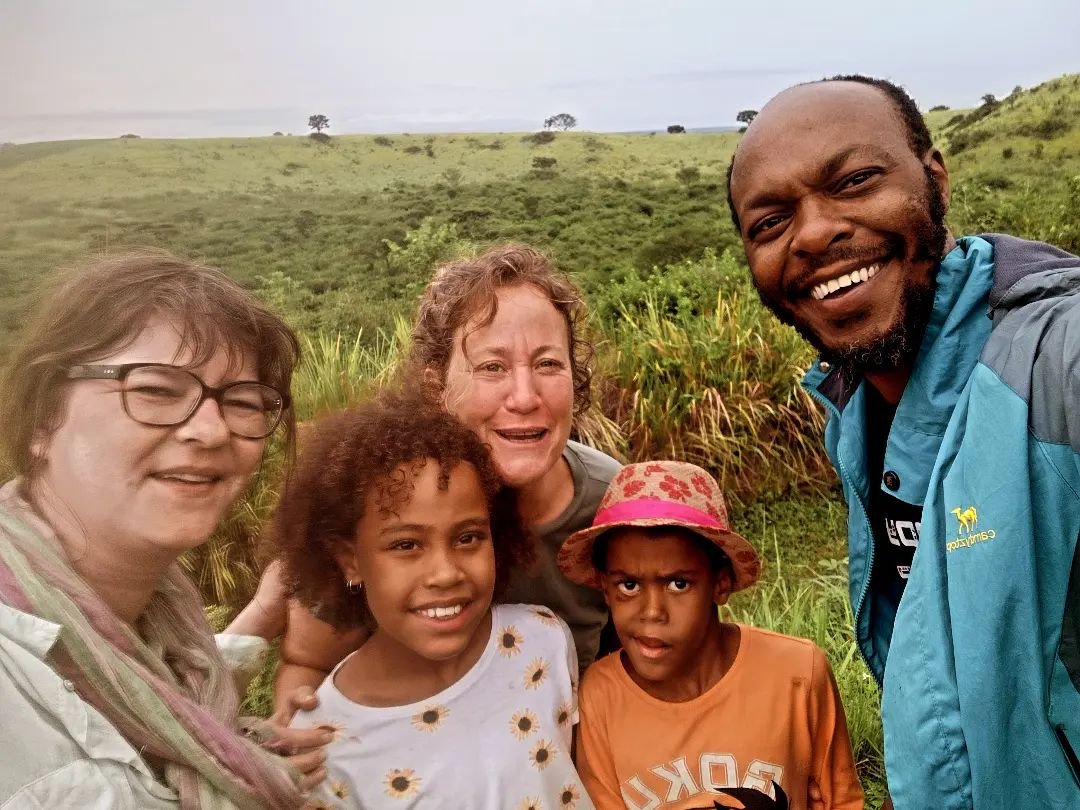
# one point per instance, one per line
(340, 237)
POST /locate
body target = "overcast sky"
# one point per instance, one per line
(97, 68)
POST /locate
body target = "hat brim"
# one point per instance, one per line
(575, 556)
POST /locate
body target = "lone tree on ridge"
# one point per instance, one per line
(318, 122)
(563, 121)
(746, 116)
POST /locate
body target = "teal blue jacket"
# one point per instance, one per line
(980, 665)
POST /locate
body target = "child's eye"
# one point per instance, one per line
(628, 587)
(471, 539)
(679, 585)
(404, 545)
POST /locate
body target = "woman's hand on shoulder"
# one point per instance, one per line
(304, 748)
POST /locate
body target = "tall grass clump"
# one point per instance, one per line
(717, 385)
(337, 372)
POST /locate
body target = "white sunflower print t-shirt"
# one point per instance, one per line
(499, 738)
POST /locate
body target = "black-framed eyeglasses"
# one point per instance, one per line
(163, 395)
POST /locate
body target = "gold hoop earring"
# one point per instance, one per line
(353, 587)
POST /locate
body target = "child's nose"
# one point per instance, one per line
(653, 608)
(444, 570)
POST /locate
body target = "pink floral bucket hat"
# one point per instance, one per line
(661, 493)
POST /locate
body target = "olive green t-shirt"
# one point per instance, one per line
(581, 607)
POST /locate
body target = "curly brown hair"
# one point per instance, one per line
(356, 451)
(466, 289)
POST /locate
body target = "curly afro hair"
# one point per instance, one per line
(356, 451)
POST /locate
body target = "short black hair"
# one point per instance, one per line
(718, 560)
(918, 135)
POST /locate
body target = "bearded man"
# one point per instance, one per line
(950, 376)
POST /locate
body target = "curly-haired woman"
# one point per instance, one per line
(498, 338)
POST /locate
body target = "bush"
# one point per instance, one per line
(413, 150)
(688, 175)
(676, 129)
(699, 370)
(321, 138)
(963, 140)
(939, 108)
(278, 135)
(539, 138)
(543, 162)
(1047, 129)
(1007, 152)
(382, 140)
(130, 135)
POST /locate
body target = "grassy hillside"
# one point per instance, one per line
(316, 218)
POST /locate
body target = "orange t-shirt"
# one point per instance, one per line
(775, 716)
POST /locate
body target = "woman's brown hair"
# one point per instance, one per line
(102, 307)
(465, 291)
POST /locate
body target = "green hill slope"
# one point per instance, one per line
(314, 220)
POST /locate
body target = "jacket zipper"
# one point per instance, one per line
(865, 590)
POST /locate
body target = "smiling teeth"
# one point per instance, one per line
(441, 612)
(846, 280)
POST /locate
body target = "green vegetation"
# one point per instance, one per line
(341, 234)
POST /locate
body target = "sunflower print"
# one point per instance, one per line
(401, 783)
(542, 754)
(530, 803)
(336, 729)
(430, 717)
(523, 724)
(569, 796)
(510, 641)
(536, 673)
(545, 615)
(563, 714)
(339, 790)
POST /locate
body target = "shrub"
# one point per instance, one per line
(1047, 129)
(130, 135)
(1007, 152)
(539, 138)
(382, 140)
(676, 129)
(939, 108)
(963, 140)
(688, 175)
(543, 162)
(699, 370)
(277, 135)
(413, 150)
(321, 138)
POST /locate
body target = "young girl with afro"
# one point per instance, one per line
(395, 518)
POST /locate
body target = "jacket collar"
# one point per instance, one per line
(33, 633)
(963, 280)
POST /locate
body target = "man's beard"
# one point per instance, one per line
(897, 346)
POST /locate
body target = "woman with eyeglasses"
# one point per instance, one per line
(136, 408)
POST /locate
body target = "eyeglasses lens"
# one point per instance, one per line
(161, 395)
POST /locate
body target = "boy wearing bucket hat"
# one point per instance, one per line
(694, 710)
